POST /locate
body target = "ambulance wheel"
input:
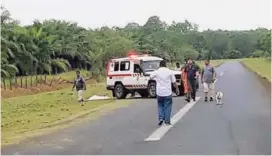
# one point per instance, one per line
(120, 91)
(151, 89)
(143, 93)
(181, 90)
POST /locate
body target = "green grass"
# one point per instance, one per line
(29, 113)
(201, 63)
(215, 63)
(261, 66)
(35, 79)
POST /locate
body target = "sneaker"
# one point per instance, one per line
(160, 122)
(168, 123)
(211, 99)
(194, 99)
(206, 99)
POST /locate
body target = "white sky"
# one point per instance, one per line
(213, 14)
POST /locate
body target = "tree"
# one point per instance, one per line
(54, 46)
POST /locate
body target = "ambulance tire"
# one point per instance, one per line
(181, 90)
(120, 91)
(151, 89)
(143, 93)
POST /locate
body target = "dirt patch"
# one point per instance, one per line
(264, 81)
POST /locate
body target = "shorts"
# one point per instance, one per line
(208, 87)
(80, 95)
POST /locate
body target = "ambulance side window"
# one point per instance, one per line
(137, 68)
(124, 66)
(116, 66)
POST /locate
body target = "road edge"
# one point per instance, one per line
(264, 81)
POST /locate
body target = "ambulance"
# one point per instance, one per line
(132, 74)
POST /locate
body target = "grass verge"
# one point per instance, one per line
(42, 87)
(261, 66)
(25, 114)
(33, 79)
(215, 63)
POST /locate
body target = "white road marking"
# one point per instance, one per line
(221, 74)
(161, 131)
(58, 147)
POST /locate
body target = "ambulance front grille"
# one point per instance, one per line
(178, 77)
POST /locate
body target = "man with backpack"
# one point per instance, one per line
(80, 85)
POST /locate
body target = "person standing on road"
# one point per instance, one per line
(191, 72)
(164, 79)
(178, 68)
(80, 85)
(208, 76)
(197, 78)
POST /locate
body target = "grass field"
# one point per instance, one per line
(213, 62)
(32, 112)
(201, 63)
(41, 87)
(261, 66)
(27, 79)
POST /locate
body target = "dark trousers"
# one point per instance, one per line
(192, 87)
(164, 108)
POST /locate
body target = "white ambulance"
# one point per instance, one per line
(131, 74)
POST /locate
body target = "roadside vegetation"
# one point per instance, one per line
(57, 48)
(261, 66)
(27, 85)
(215, 63)
(25, 114)
(53, 46)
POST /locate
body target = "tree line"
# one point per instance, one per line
(54, 46)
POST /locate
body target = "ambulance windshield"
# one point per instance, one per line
(148, 66)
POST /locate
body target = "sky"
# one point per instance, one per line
(208, 14)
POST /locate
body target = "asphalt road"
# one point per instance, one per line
(242, 125)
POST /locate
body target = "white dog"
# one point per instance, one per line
(219, 97)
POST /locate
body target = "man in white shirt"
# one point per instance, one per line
(177, 68)
(164, 79)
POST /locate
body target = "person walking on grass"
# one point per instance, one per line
(165, 78)
(80, 85)
(208, 76)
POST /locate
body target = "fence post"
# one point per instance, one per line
(36, 80)
(21, 78)
(31, 80)
(52, 80)
(45, 79)
(4, 83)
(41, 78)
(10, 83)
(26, 82)
(16, 82)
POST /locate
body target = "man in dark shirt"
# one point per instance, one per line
(80, 85)
(192, 72)
(197, 81)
